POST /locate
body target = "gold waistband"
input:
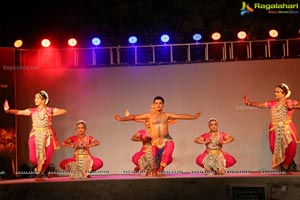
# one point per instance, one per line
(32, 133)
(281, 123)
(41, 128)
(214, 151)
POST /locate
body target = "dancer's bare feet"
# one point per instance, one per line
(39, 177)
(153, 173)
(136, 169)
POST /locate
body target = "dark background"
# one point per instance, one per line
(116, 20)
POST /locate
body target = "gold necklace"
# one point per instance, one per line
(43, 115)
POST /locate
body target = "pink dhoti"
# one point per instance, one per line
(42, 143)
(163, 154)
(229, 159)
(97, 163)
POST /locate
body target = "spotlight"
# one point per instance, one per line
(242, 35)
(45, 43)
(165, 38)
(197, 37)
(96, 41)
(132, 40)
(72, 42)
(216, 36)
(273, 33)
(18, 43)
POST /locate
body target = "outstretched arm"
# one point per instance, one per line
(297, 106)
(132, 117)
(18, 112)
(6, 108)
(184, 116)
(255, 104)
(58, 111)
(127, 118)
(291, 106)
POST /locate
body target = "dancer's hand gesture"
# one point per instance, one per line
(6, 106)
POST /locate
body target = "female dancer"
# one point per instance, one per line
(213, 159)
(42, 138)
(282, 131)
(143, 159)
(83, 162)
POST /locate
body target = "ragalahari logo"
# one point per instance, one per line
(246, 9)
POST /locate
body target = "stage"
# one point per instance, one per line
(247, 185)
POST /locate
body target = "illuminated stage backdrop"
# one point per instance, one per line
(216, 89)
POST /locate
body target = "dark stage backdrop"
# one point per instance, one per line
(7, 122)
(216, 89)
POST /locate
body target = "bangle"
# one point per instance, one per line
(248, 103)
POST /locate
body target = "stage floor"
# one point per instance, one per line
(141, 176)
(252, 185)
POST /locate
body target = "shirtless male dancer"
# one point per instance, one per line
(162, 142)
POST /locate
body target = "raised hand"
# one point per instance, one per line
(6, 106)
(246, 100)
(197, 115)
(127, 113)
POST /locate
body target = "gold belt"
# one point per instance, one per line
(41, 128)
(281, 123)
(214, 151)
(32, 133)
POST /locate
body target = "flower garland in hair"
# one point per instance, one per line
(47, 96)
(81, 121)
(212, 119)
(288, 90)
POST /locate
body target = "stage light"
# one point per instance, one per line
(242, 35)
(197, 37)
(165, 38)
(72, 42)
(216, 36)
(273, 33)
(18, 43)
(45, 43)
(132, 40)
(96, 41)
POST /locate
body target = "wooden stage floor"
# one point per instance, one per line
(235, 186)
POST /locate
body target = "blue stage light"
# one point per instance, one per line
(165, 38)
(197, 37)
(132, 40)
(96, 41)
